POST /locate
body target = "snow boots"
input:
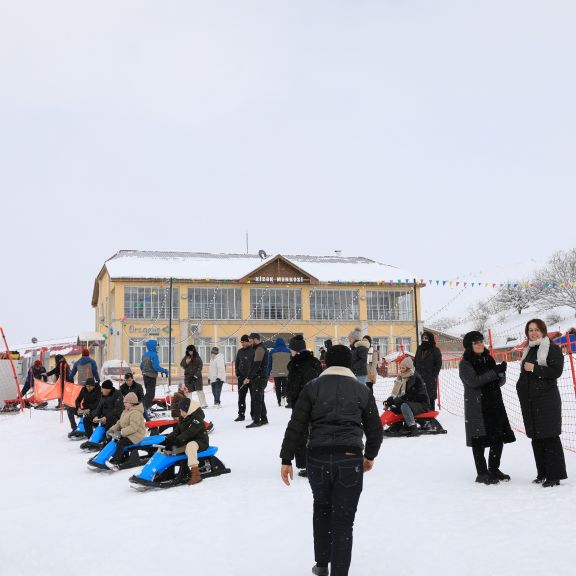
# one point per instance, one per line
(500, 476)
(320, 570)
(486, 479)
(194, 476)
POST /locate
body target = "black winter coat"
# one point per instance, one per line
(360, 357)
(110, 407)
(428, 363)
(188, 429)
(338, 411)
(486, 421)
(302, 368)
(243, 361)
(61, 368)
(539, 395)
(259, 367)
(89, 400)
(136, 388)
(192, 373)
(416, 396)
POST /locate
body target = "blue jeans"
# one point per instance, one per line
(408, 414)
(362, 379)
(336, 481)
(217, 390)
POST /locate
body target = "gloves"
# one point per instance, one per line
(114, 435)
(389, 401)
(501, 368)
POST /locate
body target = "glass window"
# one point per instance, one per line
(319, 343)
(381, 343)
(135, 350)
(150, 302)
(137, 347)
(275, 304)
(403, 344)
(390, 305)
(228, 348)
(334, 305)
(204, 345)
(215, 303)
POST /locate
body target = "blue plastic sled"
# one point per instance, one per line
(133, 455)
(80, 431)
(96, 441)
(166, 471)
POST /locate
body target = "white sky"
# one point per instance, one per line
(434, 135)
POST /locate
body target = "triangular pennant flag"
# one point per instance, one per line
(444, 282)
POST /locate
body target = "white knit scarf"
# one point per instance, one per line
(542, 354)
(399, 388)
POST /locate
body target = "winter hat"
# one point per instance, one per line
(214, 350)
(107, 385)
(471, 337)
(430, 337)
(131, 398)
(407, 363)
(37, 364)
(184, 404)
(297, 343)
(339, 355)
(85, 352)
(245, 338)
(255, 336)
(90, 382)
(356, 334)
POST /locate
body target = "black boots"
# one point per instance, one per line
(320, 570)
(240, 418)
(550, 483)
(500, 476)
(486, 479)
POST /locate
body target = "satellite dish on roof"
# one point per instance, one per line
(262, 254)
(34, 340)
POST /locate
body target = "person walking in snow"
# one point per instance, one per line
(150, 367)
(192, 364)
(428, 363)
(242, 364)
(278, 359)
(486, 421)
(216, 374)
(541, 366)
(359, 349)
(85, 367)
(336, 410)
(257, 380)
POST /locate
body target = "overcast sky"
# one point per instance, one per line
(436, 135)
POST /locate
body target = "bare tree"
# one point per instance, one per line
(479, 314)
(443, 324)
(517, 295)
(556, 281)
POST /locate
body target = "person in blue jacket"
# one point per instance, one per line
(150, 367)
(278, 367)
(85, 367)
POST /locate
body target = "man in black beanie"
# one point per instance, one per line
(337, 410)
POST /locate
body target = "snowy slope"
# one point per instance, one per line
(420, 512)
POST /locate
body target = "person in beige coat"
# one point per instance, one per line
(130, 429)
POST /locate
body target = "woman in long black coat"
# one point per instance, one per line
(487, 424)
(428, 363)
(542, 364)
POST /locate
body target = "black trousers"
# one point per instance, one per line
(122, 443)
(257, 388)
(336, 481)
(280, 387)
(150, 387)
(71, 417)
(242, 392)
(549, 457)
(494, 457)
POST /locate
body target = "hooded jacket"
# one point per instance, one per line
(360, 357)
(217, 369)
(190, 428)
(278, 359)
(428, 363)
(132, 424)
(302, 368)
(150, 364)
(86, 368)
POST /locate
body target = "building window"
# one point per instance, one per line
(403, 344)
(150, 302)
(215, 303)
(136, 349)
(380, 343)
(203, 346)
(319, 343)
(275, 304)
(228, 348)
(334, 305)
(390, 305)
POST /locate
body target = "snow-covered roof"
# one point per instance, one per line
(202, 266)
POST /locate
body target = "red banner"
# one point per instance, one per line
(44, 391)
(71, 392)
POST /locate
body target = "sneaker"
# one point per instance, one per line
(550, 483)
(486, 479)
(254, 425)
(210, 428)
(320, 570)
(539, 480)
(499, 475)
(240, 418)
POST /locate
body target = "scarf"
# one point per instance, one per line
(542, 354)
(399, 388)
(480, 362)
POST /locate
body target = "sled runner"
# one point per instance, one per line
(167, 470)
(427, 424)
(133, 455)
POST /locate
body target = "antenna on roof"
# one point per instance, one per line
(247, 242)
(262, 254)
(338, 252)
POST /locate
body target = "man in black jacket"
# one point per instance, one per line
(130, 385)
(337, 411)
(428, 363)
(242, 365)
(108, 410)
(258, 380)
(86, 403)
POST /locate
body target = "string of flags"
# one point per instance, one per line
(462, 284)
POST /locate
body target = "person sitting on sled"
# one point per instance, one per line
(130, 429)
(109, 409)
(409, 396)
(86, 403)
(189, 436)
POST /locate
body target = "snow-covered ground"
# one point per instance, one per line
(420, 513)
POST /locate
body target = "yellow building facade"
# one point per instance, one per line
(216, 298)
